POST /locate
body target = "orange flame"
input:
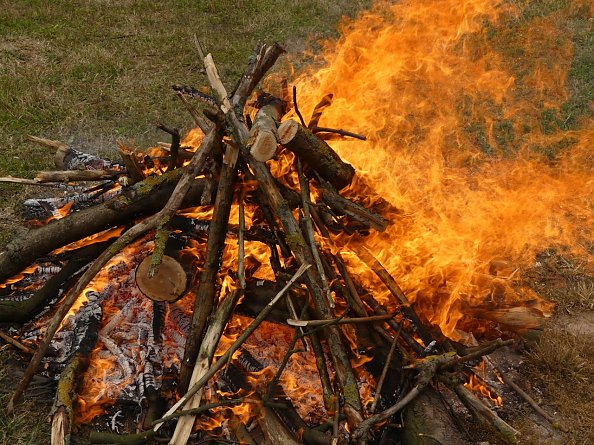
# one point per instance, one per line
(455, 142)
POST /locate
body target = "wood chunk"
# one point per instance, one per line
(263, 140)
(169, 282)
(316, 153)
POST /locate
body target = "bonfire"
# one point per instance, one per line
(260, 280)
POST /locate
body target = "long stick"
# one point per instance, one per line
(196, 164)
(222, 361)
(306, 202)
(313, 323)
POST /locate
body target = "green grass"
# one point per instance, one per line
(90, 73)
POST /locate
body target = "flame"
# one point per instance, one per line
(456, 143)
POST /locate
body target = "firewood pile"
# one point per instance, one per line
(283, 180)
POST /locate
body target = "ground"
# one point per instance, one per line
(91, 73)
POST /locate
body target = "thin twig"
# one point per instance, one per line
(295, 106)
(338, 131)
(552, 420)
(17, 344)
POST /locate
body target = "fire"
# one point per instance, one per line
(456, 143)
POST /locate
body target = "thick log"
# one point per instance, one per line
(316, 153)
(262, 142)
(144, 198)
(427, 416)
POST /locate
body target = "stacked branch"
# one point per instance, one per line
(326, 303)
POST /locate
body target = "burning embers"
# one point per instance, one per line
(392, 272)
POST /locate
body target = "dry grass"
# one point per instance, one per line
(30, 426)
(560, 368)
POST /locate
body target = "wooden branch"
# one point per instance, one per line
(395, 290)
(208, 347)
(555, 423)
(316, 153)
(174, 148)
(139, 229)
(263, 58)
(342, 205)
(200, 122)
(207, 289)
(22, 311)
(144, 198)
(223, 360)
(49, 143)
(133, 167)
(318, 110)
(241, 245)
(340, 132)
(380, 383)
(306, 204)
(481, 412)
(121, 439)
(17, 344)
(77, 175)
(313, 323)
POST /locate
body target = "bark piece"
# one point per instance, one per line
(317, 153)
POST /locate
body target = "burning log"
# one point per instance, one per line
(21, 311)
(144, 198)
(341, 321)
(316, 153)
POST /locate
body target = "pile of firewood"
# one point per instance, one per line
(141, 196)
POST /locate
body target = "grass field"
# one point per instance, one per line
(92, 72)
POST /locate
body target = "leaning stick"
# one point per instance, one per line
(222, 361)
(17, 344)
(380, 383)
(184, 425)
(358, 320)
(136, 231)
(306, 202)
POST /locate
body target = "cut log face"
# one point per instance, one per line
(168, 284)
